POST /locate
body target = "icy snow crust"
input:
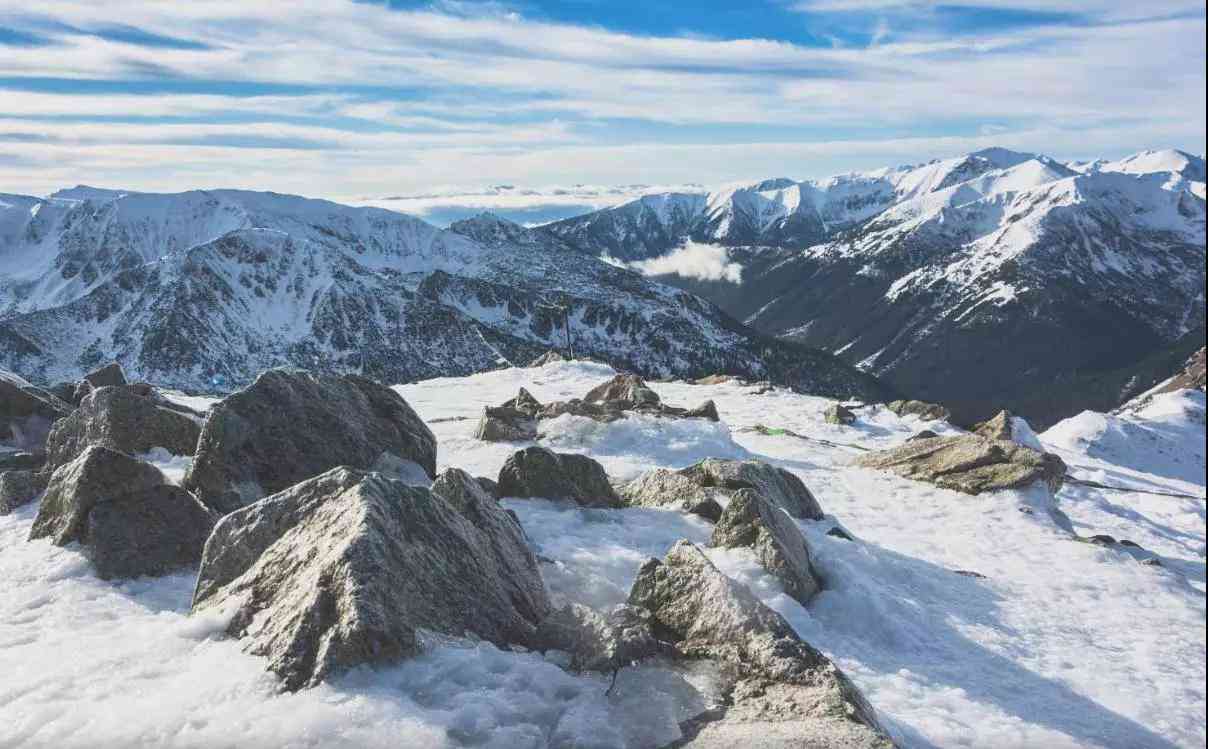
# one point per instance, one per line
(1062, 644)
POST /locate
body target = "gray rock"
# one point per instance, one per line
(706, 410)
(118, 418)
(671, 489)
(350, 568)
(549, 357)
(27, 412)
(290, 425)
(775, 682)
(108, 375)
(997, 428)
(921, 409)
(96, 476)
(627, 389)
(752, 522)
(501, 424)
(538, 472)
(840, 532)
(837, 413)
(600, 642)
(969, 463)
(926, 434)
(778, 486)
(490, 486)
(150, 532)
(18, 488)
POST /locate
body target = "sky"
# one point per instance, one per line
(580, 102)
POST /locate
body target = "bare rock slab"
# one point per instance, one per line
(970, 463)
(751, 521)
(351, 568)
(780, 487)
(774, 678)
(291, 425)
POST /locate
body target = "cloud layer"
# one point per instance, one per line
(700, 262)
(345, 99)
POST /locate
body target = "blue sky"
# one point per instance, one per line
(355, 99)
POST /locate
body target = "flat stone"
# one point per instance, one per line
(970, 463)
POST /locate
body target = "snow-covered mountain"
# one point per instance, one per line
(204, 289)
(989, 279)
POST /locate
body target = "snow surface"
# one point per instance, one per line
(1061, 644)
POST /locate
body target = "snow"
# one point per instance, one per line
(1061, 644)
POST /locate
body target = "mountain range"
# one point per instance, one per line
(202, 290)
(993, 279)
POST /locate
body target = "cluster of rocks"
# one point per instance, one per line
(517, 420)
(994, 456)
(321, 532)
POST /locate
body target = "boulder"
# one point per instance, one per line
(19, 487)
(997, 428)
(970, 463)
(150, 532)
(600, 642)
(27, 412)
(350, 568)
(513, 421)
(706, 410)
(671, 489)
(921, 409)
(97, 475)
(627, 389)
(106, 376)
(538, 472)
(925, 434)
(837, 413)
(777, 685)
(778, 486)
(118, 418)
(290, 425)
(549, 357)
(753, 522)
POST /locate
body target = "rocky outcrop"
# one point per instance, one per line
(290, 425)
(19, 487)
(600, 641)
(778, 486)
(777, 687)
(671, 489)
(997, 428)
(837, 413)
(538, 472)
(752, 522)
(549, 357)
(27, 412)
(922, 409)
(518, 419)
(970, 463)
(350, 568)
(120, 418)
(110, 375)
(627, 389)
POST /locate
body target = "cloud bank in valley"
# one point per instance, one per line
(694, 260)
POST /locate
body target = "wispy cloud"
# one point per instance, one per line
(348, 98)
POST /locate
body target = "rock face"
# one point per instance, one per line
(349, 568)
(106, 376)
(27, 412)
(600, 642)
(290, 425)
(18, 488)
(538, 472)
(970, 463)
(118, 418)
(921, 409)
(778, 486)
(149, 532)
(751, 521)
(777, 684)
(997, 428)
(837, 413)
(665, 488)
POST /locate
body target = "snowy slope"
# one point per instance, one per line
(977, 281)
(204, 289)
(1060, 644)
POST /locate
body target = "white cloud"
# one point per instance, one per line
(702, 262)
